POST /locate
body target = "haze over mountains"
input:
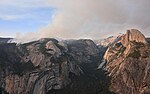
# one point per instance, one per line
(27, 20)
(115, 65)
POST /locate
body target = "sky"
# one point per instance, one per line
(95, 19)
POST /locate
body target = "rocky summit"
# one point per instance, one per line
(133, 35)
(116, 65)
(128, 64)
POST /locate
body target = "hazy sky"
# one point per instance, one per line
(27, 19)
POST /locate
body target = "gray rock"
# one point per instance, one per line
(40, 66)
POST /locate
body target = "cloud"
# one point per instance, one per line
(79, 19)
(96, 19)
(6, 34)
(92, 18)
(11, 17)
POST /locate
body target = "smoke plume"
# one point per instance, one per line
(94, 18)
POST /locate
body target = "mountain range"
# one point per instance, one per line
(116, 65)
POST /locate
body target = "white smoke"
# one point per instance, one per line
(94, 18)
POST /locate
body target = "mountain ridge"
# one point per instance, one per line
(116, 65)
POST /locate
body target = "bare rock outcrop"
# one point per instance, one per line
(133, 35)
(41, 66)
(128, 64)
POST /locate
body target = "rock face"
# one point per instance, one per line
(133, 35)
(128, 64)
(104, 44)
(44, 65)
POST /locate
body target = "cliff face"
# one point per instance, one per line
(128, 64)
(133, 35)
(44, 65)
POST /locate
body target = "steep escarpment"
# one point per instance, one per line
(103, 44)
(48, 65)
(92, 81)
(133, 35)
(128, 64)
(33, 68)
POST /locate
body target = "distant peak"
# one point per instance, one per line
(133, 35)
